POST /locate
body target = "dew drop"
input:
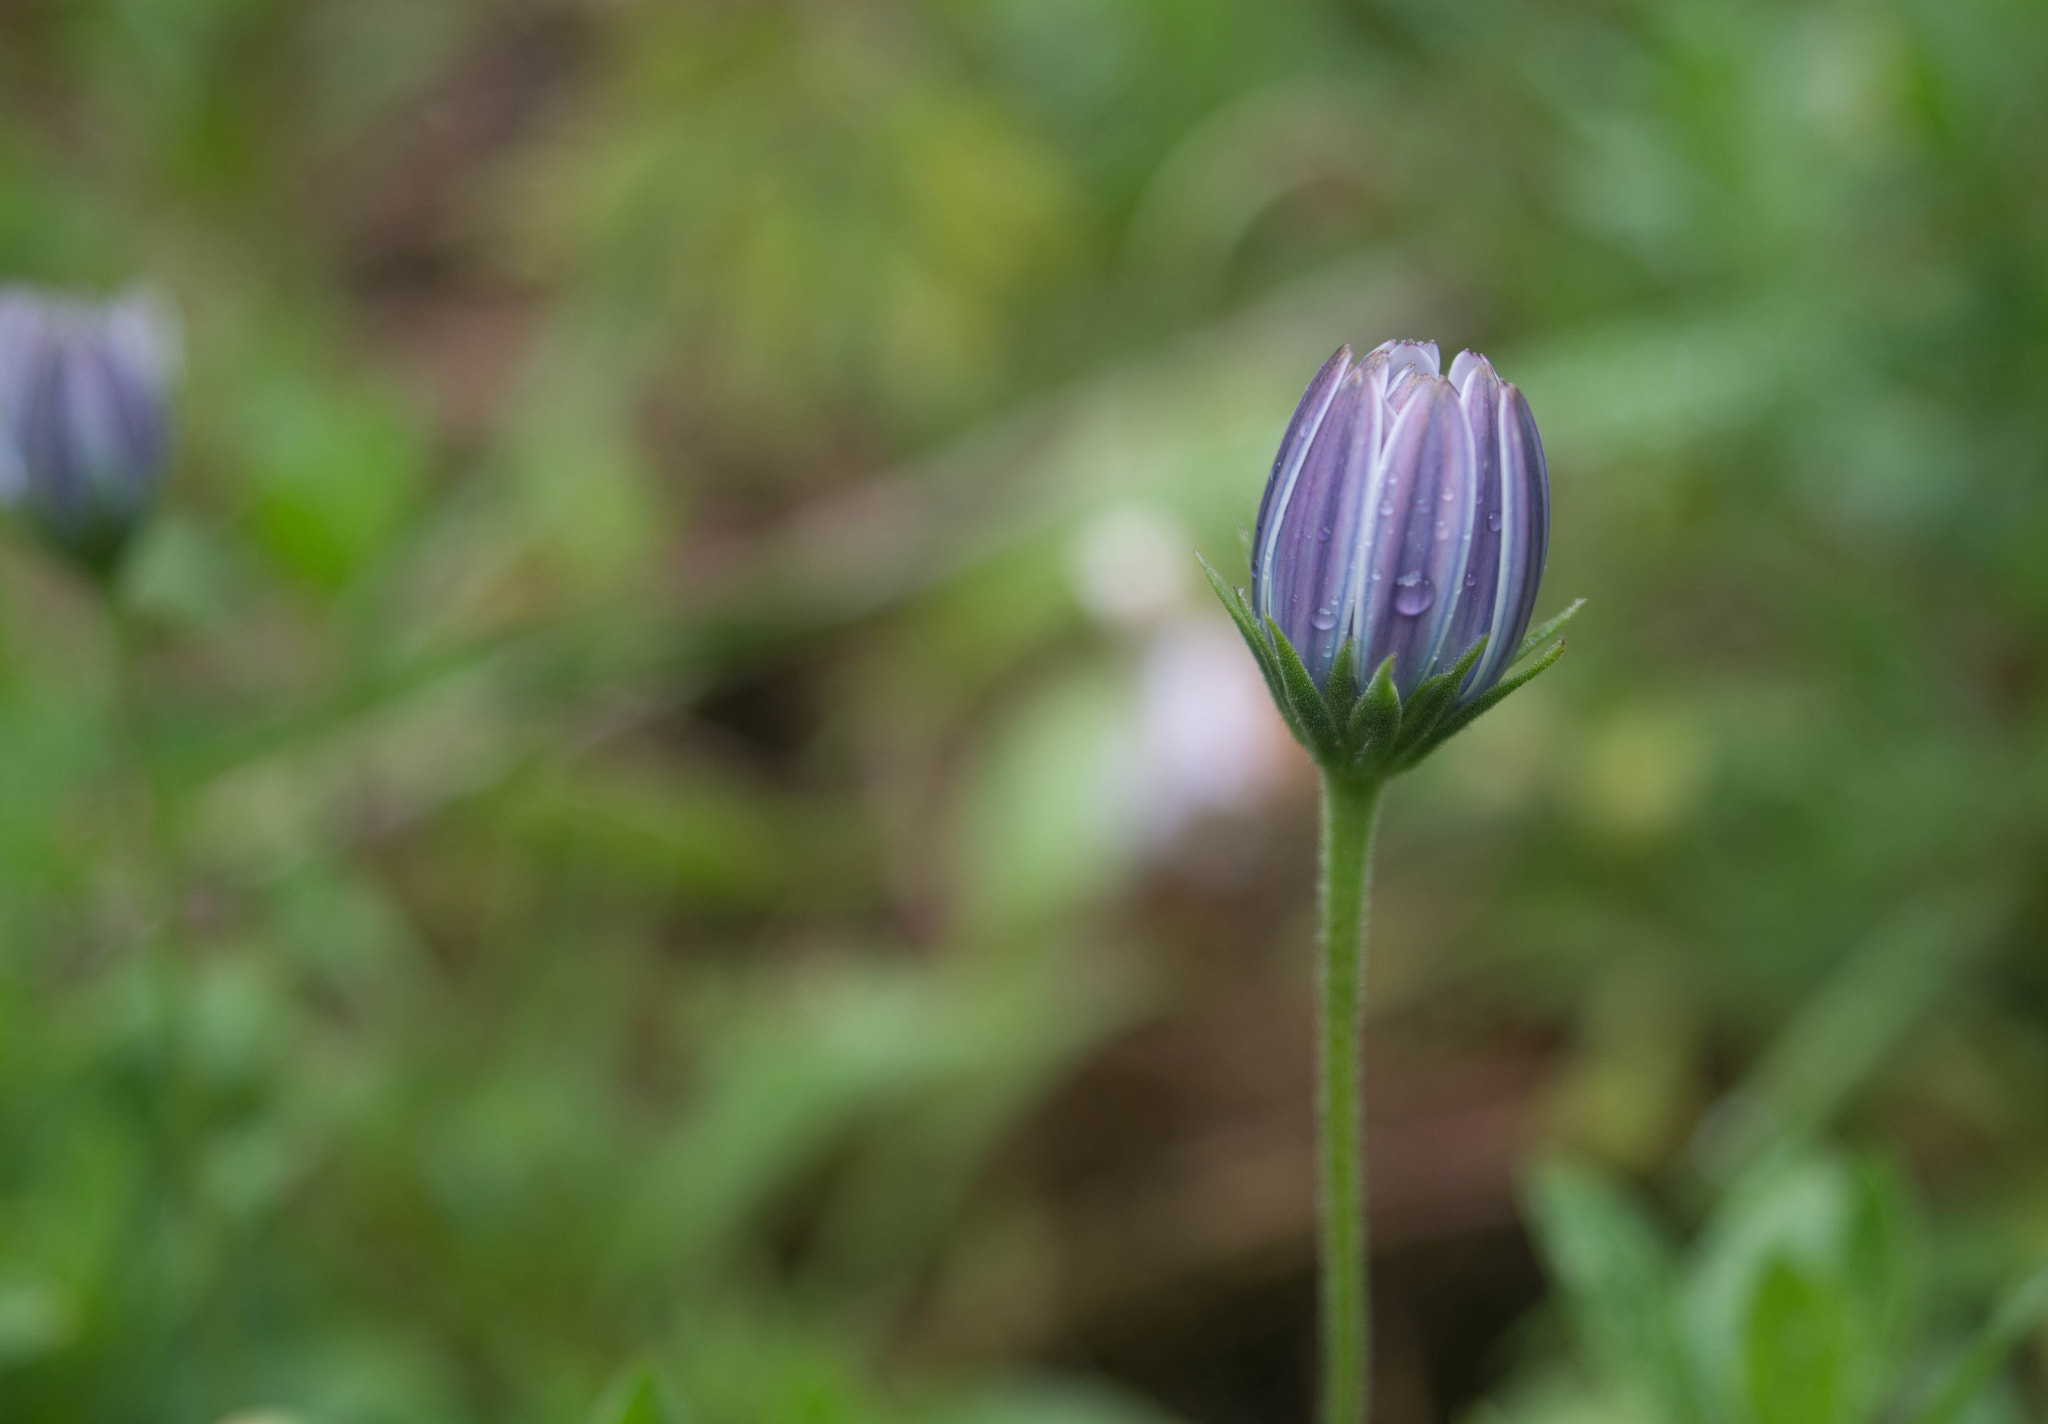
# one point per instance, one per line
(1449, 495)
(1471, 579)
(1325, 619)
(1443, 531)
(1493, 522)
(1386, 507)
(1412, 594)
(1325, 534)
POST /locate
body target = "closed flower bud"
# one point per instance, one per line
(1407, 514)
(84, 428)
(1399, 546)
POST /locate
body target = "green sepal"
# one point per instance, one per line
(1467, 715)
(1254, 637)
(1340, 688)
(1373, 734)
(1432, 701)
(1312, 720)
(1460, 718)
(1233, 604)
(1294, 692)
(1539, 635)
(1376, 716)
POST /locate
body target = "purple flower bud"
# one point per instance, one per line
(84, 429)
(1407, 514)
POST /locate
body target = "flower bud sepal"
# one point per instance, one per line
(1374, 734)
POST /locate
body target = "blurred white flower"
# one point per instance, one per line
(1132, 565)
(1208, 741)
(1203, 739)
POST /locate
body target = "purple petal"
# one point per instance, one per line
(56, 478)
(1525, 513)
(1417, 550)
(1311, 543)
(1301, 430)
(1420, 354)
(1479, 399)
(1464, 368)
(117, 423)
(1359, 524)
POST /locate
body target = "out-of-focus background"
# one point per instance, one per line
(680, 798)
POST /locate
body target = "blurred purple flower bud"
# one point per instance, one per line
(84, 427)
(1406, 513)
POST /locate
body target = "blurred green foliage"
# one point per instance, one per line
(644, 817)
(1798, 1304)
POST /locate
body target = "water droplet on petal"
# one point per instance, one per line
(1471, 579)
(1449, 495)
(1493, 522)
(1386, 507)
(1325, 619)
(1443, 530)
(1325, 534)
(1412, 594)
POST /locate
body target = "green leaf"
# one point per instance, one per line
(335, 467)
(1914, 956)
(1797, 1209)
(2021, 1313)
(36, 1319)
(1797, 1347)
(1878, 1268)
(1376, 717)
(1539, 635)
(1052, 1401)
(1615, 1272)
(635, 1397)
(1313, 722)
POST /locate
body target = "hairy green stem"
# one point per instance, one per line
(1350, 814)
(156, 950)
(170, 1209)
(140, 745)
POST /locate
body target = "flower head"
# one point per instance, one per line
(84, 428)
(1399, 546)
(1407, 514)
